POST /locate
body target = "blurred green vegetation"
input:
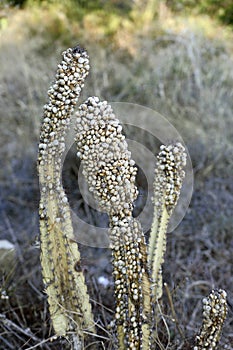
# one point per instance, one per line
(220, 9)
(79, 7)
(105, 22)
(109, 22)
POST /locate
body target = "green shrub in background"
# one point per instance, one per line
(222, 10)
(86, 6)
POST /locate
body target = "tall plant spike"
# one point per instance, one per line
(169, 175)
(110, 173)
(214, 315)
(68, 300)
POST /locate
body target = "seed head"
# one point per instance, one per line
(63, 95)
(107, 163)
(214, 315)
(169, 175)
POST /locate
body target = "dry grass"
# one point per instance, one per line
(186, 77)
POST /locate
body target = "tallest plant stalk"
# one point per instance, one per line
(111, 173)
(69, 304)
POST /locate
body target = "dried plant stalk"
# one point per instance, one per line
(214, 315)
(110, 173)
(65, 286)
(169, 175)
